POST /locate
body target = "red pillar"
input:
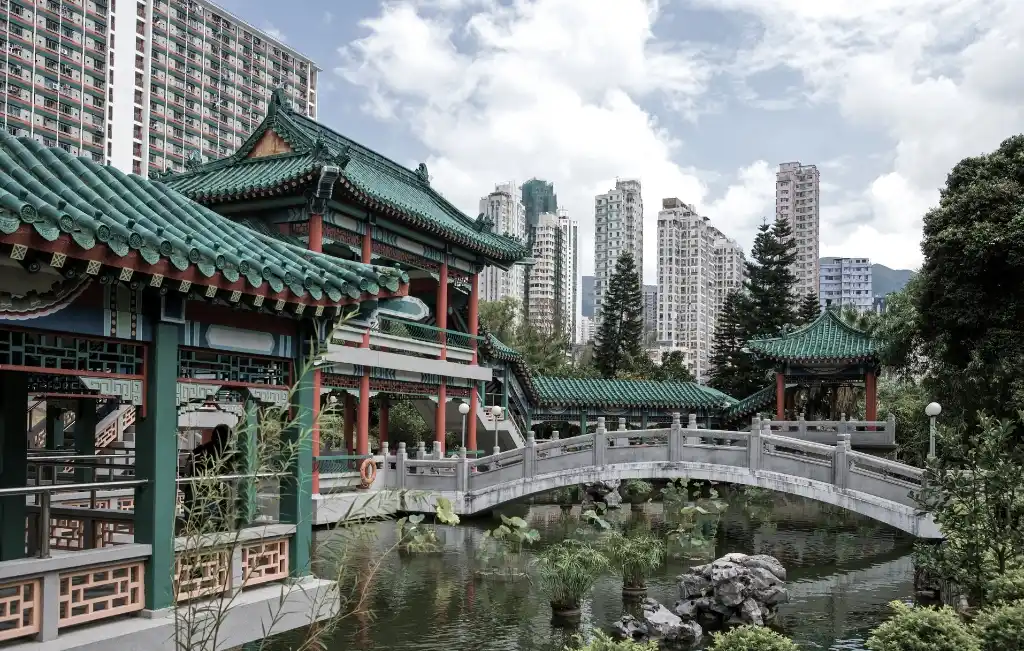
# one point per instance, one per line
(780, 396)
(385, 405)
(870, 396)
(442, 306)
(367, 252)
(316, 243)
(363, 428)
(350, 422)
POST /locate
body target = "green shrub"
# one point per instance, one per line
(1001, 628)
(1005, 588)
(922, 629)
(601, 642)
(752, 638)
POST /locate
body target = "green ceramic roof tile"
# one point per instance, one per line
(826, 339)
(494, 349)
(751, 404)
(57, 193)
(374, 180)
(572, 392)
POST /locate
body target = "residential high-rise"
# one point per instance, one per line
(505, 211)
(538, 198)
(587, 297)
(547, 276)
(798, 199)
(846, 281)
(650, 309)
(587, 330)
(141, 84)
(619, 227)
(697, 267)
(570, 271)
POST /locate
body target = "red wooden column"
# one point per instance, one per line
(474, 399)
(316, 244)
(870, 396)
(780, 396)
(442, 323)
(363, 427)
(385, 406)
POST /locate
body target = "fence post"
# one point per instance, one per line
(462, 472)
(691, 428)
(675, 439)
(622, 441)
(801, 426)
(600, 442)
(554, 451)
(530, 456)
(840, 464)
(890, 428)
(754, 444)
(385, 467)
(400, 470)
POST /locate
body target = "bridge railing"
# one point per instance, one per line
(756, 451)
(863, 433)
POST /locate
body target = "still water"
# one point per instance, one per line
(842, 569)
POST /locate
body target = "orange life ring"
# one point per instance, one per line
(367, 472)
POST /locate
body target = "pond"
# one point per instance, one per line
(843, 570)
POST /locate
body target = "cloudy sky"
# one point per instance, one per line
(700, 99)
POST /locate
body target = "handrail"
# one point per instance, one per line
(426, 333)
(428, 327)
(232, 478)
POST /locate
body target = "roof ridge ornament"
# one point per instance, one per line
(194, 160)
(484, 223)
(423, 173)
(320, 151)
(279, 100)
(343, 157)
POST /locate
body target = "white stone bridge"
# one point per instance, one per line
(834, 474)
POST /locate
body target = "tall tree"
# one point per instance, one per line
(673, 368)
(770, 280)
(620, 333)
(501, 318)
(732, 370)
(971, 303)
(809, 309)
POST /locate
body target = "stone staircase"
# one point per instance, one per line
(507, 435)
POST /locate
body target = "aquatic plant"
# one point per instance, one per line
(751, 638)
(1001, 628)
(637, 491)
(419, 538)
(635, 558)
(922, 629)
(600, 641)
(568, 571)
(696, 523)
(504, 545)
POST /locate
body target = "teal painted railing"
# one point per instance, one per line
(425, 333)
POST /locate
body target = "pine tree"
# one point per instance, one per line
(619, 346)
(809, 309)
(732, 370)
(770, 280)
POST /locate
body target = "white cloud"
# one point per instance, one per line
(274, 33)
(548, 89)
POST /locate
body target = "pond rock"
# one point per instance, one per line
(603, 491)
(660, 624)
(735, 589)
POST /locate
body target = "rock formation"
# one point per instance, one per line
(602, 491)
(659, 623)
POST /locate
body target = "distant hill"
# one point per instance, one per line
(885, 280)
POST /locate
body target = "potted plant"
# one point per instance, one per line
(636, 558)
(568, 571)
(637, 492)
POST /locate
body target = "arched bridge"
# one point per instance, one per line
(868, 485)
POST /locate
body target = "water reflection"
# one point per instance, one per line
(842, 569)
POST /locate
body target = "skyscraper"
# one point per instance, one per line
(538, 198)
(650, 310)
(697, 266)
(587, 297)
(798, 200)
(619, 228)
(179, 77)
(505, 210)
(570, 272)
(547, 276)
(846, 281)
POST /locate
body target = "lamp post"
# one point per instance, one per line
(932, 411)
(496, 413)
(464, 409)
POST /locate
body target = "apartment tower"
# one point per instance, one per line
(547, 276)
(798, 200)
(143, 85)
(846, 281)
(570, 229)
(619, 228)
(697, 267)
(505, 210)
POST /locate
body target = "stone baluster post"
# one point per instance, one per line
(530, 456)
(462, 472)
(622, 441)
(675, 439)
(766, 430)
(421, 454)
(400, 469)
(496, 449)
(384, 476)
(555, 451)
(890, 428)
(691, 430)
(801, 427)
(754, 444)
(600, 442)
(840, 461)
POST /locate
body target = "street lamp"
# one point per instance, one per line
(932, 411)
(496, 413)
(464, 409)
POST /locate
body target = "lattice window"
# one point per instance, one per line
(201, 574)
(48, 351)
(218, 366)
(264, 561)
(106, 533)
(67, 534)
(100, 592)
(19, 609)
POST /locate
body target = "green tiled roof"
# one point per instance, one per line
(826, 339)
(751, 404)
(371, 179)
(572, 392)
(493, 348)
(55, 194)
